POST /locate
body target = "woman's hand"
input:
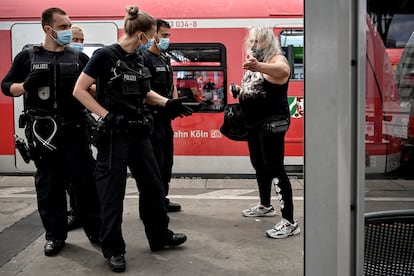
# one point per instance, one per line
(252, 64)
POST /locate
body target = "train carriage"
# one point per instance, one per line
(206, 53)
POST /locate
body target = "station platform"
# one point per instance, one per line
(220, 240)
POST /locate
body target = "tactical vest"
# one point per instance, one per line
(161, 73)
(54, 95)
(127, 88)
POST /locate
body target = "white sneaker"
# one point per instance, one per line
(283, 229)
(258, 210)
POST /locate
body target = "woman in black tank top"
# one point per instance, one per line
(263, 98)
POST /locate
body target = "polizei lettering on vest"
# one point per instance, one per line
(40, 66)
(130, 77)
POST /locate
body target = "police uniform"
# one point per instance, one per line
(122, 91)
(162, 135)
(57, 134)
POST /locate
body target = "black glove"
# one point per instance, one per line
(92, 122)
(36, 79)
(175, 108)
(116, 121)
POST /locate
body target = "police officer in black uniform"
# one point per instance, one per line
(162, 136)
(122, 138)
(56, 129)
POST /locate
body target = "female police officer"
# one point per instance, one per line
(122, 87)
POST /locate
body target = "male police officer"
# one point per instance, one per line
(56, 129)
(73, 217)
(162, 83)
(78, 38)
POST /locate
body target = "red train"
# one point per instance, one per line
(207, 53)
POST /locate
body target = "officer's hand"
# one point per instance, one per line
(36, 79)
(116, 121)
(175, 108)
(91, 121)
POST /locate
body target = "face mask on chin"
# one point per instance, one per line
(64, 37)
(163, 44)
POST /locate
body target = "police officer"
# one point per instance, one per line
(78, 37)
(56, 129)
(162, 136)
(73, 217)
(122, 138)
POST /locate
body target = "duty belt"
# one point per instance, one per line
(60, 119)
(139, 123)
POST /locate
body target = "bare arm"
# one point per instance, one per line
(153, 98)
(175, 93)
(81, 92)
(92, 90)
(16, 89)
(277, 70)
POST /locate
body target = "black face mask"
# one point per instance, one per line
(258, 53)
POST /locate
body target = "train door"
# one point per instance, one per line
(97, 34)
(291, 41)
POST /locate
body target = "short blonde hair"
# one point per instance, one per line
(77, 34)
(77, 27)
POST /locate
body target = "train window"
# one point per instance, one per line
(394, 20)
(89, 48)
(291, 42)
(200, 73)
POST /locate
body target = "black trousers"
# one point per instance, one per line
(72, 162)
(162, 139)
(114, 156)
(267, 157)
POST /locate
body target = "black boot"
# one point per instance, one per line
(52, 247)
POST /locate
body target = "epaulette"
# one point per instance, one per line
(37, 47)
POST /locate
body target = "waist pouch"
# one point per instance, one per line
(276, 124)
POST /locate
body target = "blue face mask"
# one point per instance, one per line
(64, 37)
(163, 44)
(77, 46)
(146, 46)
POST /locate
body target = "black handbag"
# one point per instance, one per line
(233, 125)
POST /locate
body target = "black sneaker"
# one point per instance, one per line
(52, 247)
(173, 207)
(117, 263)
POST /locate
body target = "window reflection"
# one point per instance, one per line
(291, 42)
(204, 87)
(200, 74)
